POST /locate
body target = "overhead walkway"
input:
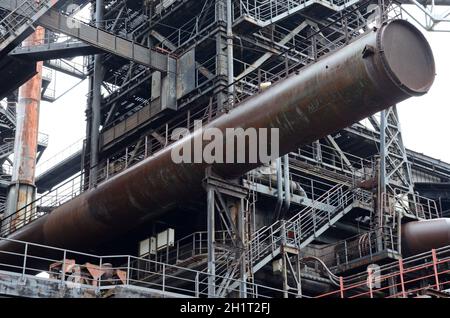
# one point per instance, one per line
(52, 51)
(19, 22)
(260, 14)
(59, 172)
(17, 25)
(27, 14)
(60, 167)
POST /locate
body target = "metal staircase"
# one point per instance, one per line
(305, 226)
(6, 150)
(299, 231)
(18, 23)
(7, 117)
(264, 13)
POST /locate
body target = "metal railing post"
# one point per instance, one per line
(402, 281)
(164, 277)
(346, 252)
(392, 239)
(128, 271)
(197, 285)
(435, 269)
(314, 220)
(146, 147)
(341, 286)
(63, 268)
(100, 278)
(107, 169)
(193, 245)
(25, 260)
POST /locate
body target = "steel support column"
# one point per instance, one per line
(211, 242)
(230, 55)
(99, 73)
(222, 65)
(243, 262)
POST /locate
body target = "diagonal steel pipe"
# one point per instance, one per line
(381, 68)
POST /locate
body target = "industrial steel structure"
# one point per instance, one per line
(346, 211)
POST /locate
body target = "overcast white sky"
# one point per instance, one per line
(425, 121)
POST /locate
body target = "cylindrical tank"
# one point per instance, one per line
(380, 69)
(423, 236)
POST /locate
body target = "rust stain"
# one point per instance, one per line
(29, 101)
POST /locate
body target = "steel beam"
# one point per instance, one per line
(96, 106)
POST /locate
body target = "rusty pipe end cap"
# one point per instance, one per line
(407, 57)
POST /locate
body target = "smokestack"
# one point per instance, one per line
(22, 189)
(360, 79)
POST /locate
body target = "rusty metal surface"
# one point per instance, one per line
(422, 236)
(22, 189)
(329, 95)
(28, 121)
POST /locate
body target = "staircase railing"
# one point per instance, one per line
(299, 230)
(59, 157)
(366, 245)
(11, 114)
(6, 149)
(190, 246)
(22, 15)
(267, 12)
(301, 226)
(93, 272)
(408, 277)
(414, 204)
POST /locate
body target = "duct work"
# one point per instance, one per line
(360, 79)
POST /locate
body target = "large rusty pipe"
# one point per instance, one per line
(22, 189)
(423, 236)
(28, 120)
(382, 68)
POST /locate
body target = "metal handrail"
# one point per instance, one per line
(67, 152)
(355, 248)
(264, 12)
(421, 207)
(302, 225)
(6, 149)
(408, 277)
(30, 259)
